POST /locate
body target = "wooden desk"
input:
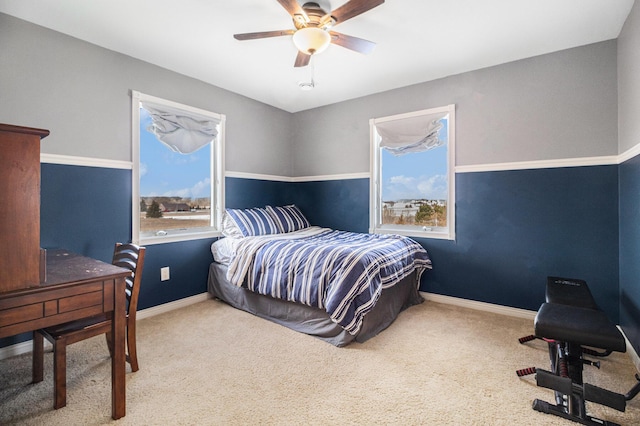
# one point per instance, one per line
(76, 287)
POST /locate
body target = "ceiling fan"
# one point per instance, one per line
(313, 34)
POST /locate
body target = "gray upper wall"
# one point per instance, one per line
(81, 93)
(556, 106)
(629, 81)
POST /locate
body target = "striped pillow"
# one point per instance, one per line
(288, 218)
(248, 223)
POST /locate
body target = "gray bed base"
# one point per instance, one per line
(314, 321)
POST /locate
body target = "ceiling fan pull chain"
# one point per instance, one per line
(308, 85)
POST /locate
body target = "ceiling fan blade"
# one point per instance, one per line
(263, 34)
(353, 8)
(294, 8)
(302, 60)
(353, 43)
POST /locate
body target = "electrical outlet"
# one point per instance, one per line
(164, 273)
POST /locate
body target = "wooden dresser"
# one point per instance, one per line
(20, 257)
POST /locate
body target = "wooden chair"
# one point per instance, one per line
(127, 256)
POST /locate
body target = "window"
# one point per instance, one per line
(412, 185)
(178, 173)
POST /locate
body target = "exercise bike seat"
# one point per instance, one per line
(579, 325)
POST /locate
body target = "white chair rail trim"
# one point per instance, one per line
(519, 165)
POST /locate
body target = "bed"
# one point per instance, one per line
(337, 286)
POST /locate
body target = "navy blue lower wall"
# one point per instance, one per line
(85, 209)
(188, 262)
(630, 250)
(515, 228)
(336, 204)
(247, 193)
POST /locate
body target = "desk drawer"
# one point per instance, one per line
(20, 314)
(81, 301)
(37, 310)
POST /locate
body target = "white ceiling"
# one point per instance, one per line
(417, 40)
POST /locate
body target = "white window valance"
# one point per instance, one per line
(179, 130)
(411, 134)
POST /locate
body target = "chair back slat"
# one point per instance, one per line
(131, 257)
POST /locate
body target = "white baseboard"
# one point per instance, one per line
(176, 304)
(480, 306)
(17, 349)
(631, 351)
(25, 347)
(513, 312)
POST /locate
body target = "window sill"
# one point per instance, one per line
(416, 231)
(148, 240)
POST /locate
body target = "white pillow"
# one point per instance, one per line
(223, 250)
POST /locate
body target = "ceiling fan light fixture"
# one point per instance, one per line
(311, 40)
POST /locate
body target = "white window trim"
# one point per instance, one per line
(217, 178)
(375, 221)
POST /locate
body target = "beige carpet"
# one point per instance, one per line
(209, 364)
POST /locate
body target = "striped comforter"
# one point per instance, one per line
(340, 272)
